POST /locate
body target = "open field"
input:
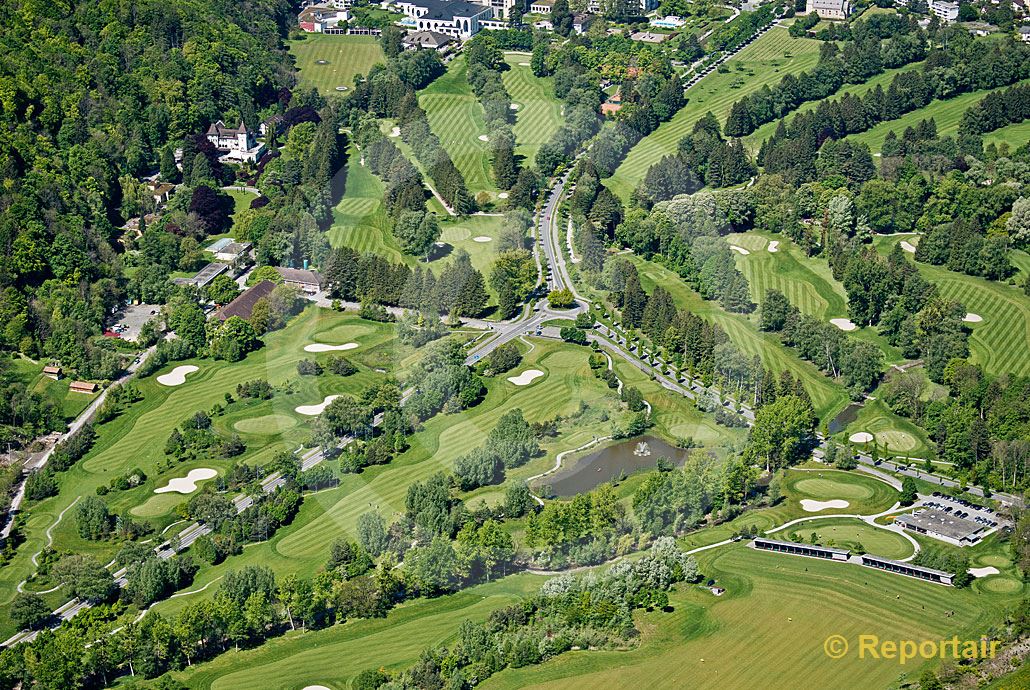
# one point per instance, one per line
(30, 373)
(456, 117)
(947, 114)
(768, 629)
(344, 56)
(762, 63)
(999, 341)
(539, 112)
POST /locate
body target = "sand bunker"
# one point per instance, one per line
(187, 484)
(322, 347)
(908, 247)
(844, 324)
(811, 506)
(523, 64)
(972, 318)
(483, 137)
(739, 250)
(514, 106)
(315, 687)
(774, 246)
(861, 437)
(177, 376)
(482, 238)
(395, 132)
(984, 572)
(527, 377)
(502, 195)
(315, 410)
(341, 88)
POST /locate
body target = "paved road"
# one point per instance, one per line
(38, 463)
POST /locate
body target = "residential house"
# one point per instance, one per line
(1024, 34)
(829, 9)
(581, 22)
(433, 40)
(52, 371)
(307, 281)
(82, 387)
(541, 6)
(319, 19)
(238, 143)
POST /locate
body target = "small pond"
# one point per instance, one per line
(846, 416)
(611, 463)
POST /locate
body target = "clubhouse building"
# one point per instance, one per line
(944, 527)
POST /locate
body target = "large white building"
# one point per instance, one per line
(944, 10)
(237, 143)
(829, 9)
(646, 6)
(456, 18)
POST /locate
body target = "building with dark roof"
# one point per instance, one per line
(796, 549)
(238, 143)
(301, 278)
(908, 569)
(426, 39)
(943, 526)
(455, 18)
(243, 306)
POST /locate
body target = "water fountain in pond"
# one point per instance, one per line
(642, 450)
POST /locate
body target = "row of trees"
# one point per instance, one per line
(856, 62)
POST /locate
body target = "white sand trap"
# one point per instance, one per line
(972, 318)
(812, 506)
(739, 250)
(187, 484)
(315, 687)
(844, 324)
(482, 238)
(502, 195)
(774, 246)
(514, 106)
(527, 377)
(315, 410)
(483, 137)
(395, 132)
(341, 88)
(861, 437)
(177, 376)
(984, 572)
(322, 347)
(907, 246)
(523, 64)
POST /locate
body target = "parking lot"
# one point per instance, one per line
(961, 508)
(128, 322)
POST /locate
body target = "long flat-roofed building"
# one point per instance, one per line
(943, 526)
(796, 549)
(909, 569)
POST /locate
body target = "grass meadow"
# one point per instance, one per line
(344, 57)
(763, 63)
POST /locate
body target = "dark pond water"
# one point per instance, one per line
(611, 463)
(846, 416)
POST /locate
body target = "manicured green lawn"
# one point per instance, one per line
(137, 437)
(999, 342)
(844, 533)
(360, 220)
(947, 114)
(344, 56)
(894, 435)
(762, 63)
(768, 629)
(456, 117)
(827, 396)
(539, 112)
